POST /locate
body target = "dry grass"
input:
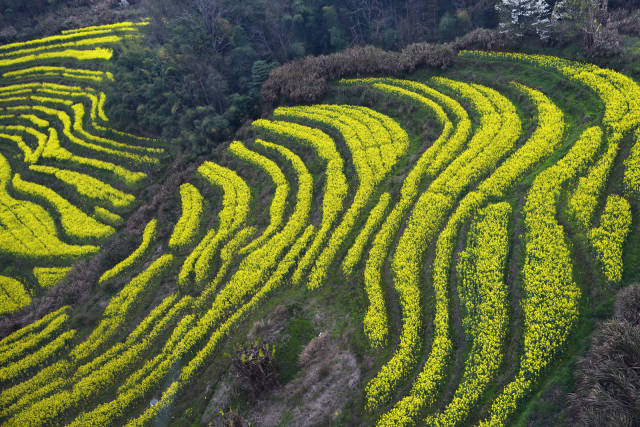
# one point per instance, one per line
(608, 376)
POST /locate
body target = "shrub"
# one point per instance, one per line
(256, 366)
(483, 39)
(305, 80)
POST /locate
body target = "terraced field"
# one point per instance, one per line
(67, 178)
(476, 251)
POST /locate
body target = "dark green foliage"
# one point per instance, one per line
(448, 26)
(33, 8)
(196, 76)
(260, 73)
(205, 61)
(336, 33)
(299, 332)
(454, 25)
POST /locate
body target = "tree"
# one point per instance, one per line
(588, 18)
(210, 12)
(447, 26)
(524, 17)
(576, 10)
(259, 74)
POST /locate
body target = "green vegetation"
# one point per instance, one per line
(409, 245)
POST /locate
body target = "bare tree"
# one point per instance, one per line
(210, 13)
(591, 19)
(278, 29)
(365, 15)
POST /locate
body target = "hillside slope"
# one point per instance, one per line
(445, 241)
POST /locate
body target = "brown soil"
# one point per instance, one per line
(329, 376)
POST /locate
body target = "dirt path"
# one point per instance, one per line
(391, 298)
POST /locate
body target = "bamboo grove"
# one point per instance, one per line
(358, 199)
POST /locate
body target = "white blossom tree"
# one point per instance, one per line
(524, 17)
